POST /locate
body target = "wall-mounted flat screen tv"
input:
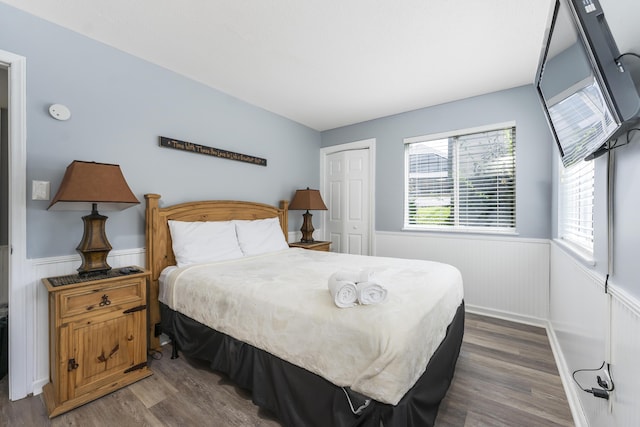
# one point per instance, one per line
(588, 96)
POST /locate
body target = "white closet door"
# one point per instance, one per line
(347, 187)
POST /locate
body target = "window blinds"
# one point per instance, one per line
(576, 204)
(464, 182)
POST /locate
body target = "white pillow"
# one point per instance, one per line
(260, 236)
(203, 241)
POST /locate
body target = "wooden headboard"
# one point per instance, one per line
(159, 252)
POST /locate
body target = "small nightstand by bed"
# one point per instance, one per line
(97, 336)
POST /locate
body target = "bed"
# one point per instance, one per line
(267, 320)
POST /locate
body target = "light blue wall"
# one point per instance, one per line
(533, 152)
(120, 106)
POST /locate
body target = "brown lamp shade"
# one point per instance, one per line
(307, 199)
(86, 183)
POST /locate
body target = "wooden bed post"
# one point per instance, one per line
(284, 219)
(151, 217)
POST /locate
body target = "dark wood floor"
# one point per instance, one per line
(506, 376)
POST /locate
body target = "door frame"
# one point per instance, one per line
(21, 298)
(369, 144)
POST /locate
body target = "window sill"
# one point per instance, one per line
(580, 253)
(483, 231)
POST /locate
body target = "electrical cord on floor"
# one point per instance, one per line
(603, 392)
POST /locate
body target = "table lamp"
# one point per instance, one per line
(83, 187)
(307, 200)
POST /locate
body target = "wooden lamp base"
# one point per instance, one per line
(307, 228)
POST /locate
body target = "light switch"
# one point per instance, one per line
(40, 190)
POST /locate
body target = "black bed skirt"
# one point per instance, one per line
(300, 398)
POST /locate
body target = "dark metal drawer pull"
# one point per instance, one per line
(134, 309)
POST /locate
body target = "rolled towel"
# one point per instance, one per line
(354, 276)
(365, 275)
(370, 293)
(343, 291)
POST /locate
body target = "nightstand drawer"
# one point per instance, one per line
(111, 297)
(314, 246)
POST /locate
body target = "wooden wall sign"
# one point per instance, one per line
(210, 151)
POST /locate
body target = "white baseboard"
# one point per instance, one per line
(567, 381)
(506, 315)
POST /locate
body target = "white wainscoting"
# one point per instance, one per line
(4, 274)
(588, 327)
(625, 353)
(60, 266)
(505, 277)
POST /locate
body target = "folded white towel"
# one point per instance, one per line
(343, 289)
(365, 276)
(370, 292)
(347, 275)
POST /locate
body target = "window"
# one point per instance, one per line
(575, 222)
(461, 182)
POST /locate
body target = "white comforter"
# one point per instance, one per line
(279, 302)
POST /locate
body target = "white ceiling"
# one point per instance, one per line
(330, 63)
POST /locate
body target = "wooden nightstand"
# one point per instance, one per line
(97, 336)
(314, 246)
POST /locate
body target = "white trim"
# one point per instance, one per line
(506, 315)
(113, 258)
(567, 382)
(452, 235)
(369, 144)
(624, 298)
(4, 274)
(598, 278)
(461, 229)
(21, 296)
(576, 251)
